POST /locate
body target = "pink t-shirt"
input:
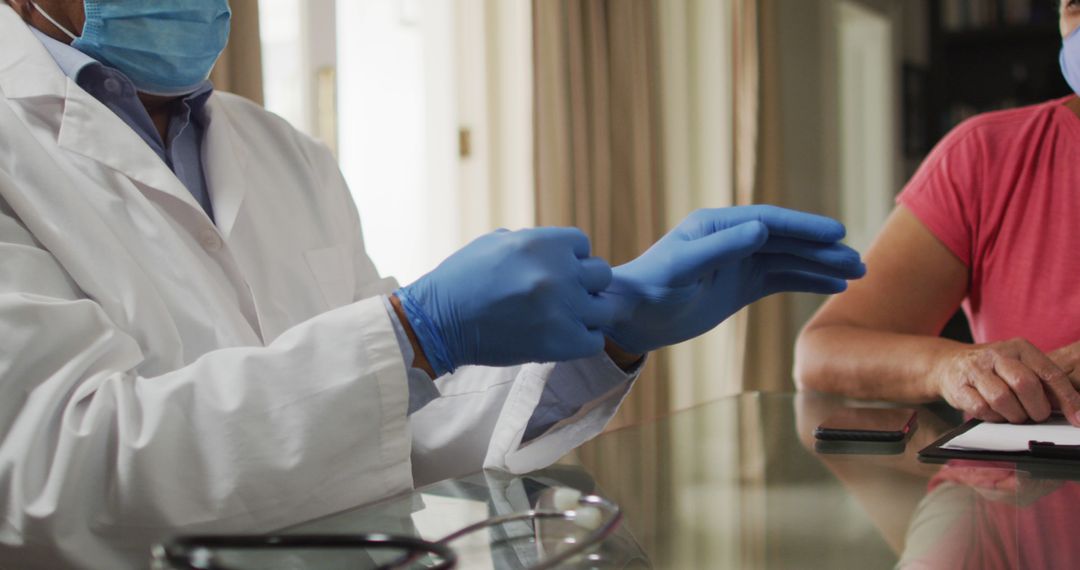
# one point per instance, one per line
(1002, 192)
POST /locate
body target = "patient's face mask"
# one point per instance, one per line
(165, 47)
(1070, 59)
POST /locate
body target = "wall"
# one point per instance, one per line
(805, 127)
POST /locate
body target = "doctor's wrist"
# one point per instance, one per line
(419, 358)
(625, 360)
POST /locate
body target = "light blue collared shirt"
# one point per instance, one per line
(182, 152)
(563, 395)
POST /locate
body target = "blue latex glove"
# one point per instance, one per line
(510, 298)
(717, 262)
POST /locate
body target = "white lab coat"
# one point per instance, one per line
(160, 374)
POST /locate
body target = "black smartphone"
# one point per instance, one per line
(867, 424)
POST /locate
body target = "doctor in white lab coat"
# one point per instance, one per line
(166, 371)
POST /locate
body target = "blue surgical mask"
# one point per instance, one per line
(165, 47)
(1070, 60)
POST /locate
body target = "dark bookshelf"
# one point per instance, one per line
(979, 37)
(988, 65)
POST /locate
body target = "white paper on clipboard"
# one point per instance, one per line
(1008, 437)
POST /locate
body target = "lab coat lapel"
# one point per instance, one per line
(225, 161)
(87, 127)
(92, 130)
(26, 70)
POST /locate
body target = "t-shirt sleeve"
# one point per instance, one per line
(943, 193)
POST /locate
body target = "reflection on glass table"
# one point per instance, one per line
(446, 508)
(739, 484)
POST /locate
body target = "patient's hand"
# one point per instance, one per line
(1006, 381)
(1068, 359)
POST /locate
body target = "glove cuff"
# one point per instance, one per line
(427, 334)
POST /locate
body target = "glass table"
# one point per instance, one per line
(739, 484)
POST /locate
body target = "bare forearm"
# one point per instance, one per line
(871, 364)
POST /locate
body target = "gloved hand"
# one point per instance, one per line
(510, 298)
(716, 262)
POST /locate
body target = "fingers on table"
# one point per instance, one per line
(1026, 385)
(1021, 384)
(972, 402)
(1056, 383)
(998, 395)
(1066, 397)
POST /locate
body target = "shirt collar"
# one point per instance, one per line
(72, 62)
(197, 103)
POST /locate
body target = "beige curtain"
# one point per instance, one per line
(597, 146)
(240, 68)
(770, 337)
(710, 87)
(746, 89)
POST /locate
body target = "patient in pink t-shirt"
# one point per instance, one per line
(1002, 193)
(990, 222)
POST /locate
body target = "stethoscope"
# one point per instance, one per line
(586, 511)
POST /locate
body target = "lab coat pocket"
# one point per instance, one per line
(332, 271)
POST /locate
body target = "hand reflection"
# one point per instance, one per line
(997, 482)
(986, 515)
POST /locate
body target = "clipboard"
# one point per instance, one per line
(1043, 458)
